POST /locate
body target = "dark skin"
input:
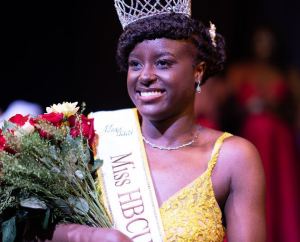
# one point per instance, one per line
(168, 67)
(161, 83)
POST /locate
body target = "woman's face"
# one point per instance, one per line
(161, 78)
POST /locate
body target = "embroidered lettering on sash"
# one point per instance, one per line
(126, 180)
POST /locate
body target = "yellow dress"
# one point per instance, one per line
(193, 214)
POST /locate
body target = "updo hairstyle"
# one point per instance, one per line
(176, 27)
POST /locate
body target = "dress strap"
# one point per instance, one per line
(216, 150)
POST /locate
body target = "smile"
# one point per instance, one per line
(151, 93)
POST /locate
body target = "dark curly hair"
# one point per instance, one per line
(177, 27)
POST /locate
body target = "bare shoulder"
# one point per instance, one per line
(244, 207)
(242, 160)
(238, 151)
(234, 149)
(237, 156)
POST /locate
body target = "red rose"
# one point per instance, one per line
(72, 120)
(3, 145)
(88, 129)
(32, 121)
(55, 118)
(19, 119)
(2, 141)
(85, 124)
(44, 134)
(35, 122)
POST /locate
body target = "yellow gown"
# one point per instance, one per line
(193, 214)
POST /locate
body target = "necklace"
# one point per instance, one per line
(171, 147)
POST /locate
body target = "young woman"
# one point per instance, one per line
(205, 181)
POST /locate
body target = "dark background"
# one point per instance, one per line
(54, 51)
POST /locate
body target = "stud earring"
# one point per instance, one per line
(198, 87)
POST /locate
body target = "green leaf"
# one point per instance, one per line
(79, 174)
(33, 203)
(8, 229)
(63, 206)
(46, 219)
(79, 205)
(97, 164)
(8, 125)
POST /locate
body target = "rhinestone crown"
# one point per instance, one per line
(132, 10)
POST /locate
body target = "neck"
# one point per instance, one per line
(171, 131)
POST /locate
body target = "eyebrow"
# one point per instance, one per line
(158, 55)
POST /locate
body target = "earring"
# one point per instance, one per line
(198, 87)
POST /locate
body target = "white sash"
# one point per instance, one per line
(126, 179)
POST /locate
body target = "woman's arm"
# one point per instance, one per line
(245, 205)
(82, 233)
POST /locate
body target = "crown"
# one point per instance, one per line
(132, 10)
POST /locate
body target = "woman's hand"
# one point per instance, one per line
(82, 233)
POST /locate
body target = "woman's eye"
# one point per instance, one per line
(135, 65)
(163, 64)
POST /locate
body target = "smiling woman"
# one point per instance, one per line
(155, 77)
(170, 60)
(166, 178)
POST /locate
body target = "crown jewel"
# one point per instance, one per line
(133, 10)
(212, 33)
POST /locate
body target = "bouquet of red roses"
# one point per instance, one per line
(47, 172)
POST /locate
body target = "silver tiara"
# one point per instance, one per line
(132, 10)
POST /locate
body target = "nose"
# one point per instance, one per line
(147, 75)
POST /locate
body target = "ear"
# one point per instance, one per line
(199, 71)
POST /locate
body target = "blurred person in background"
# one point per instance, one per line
(263, 97)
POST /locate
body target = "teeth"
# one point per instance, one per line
(147, 94)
